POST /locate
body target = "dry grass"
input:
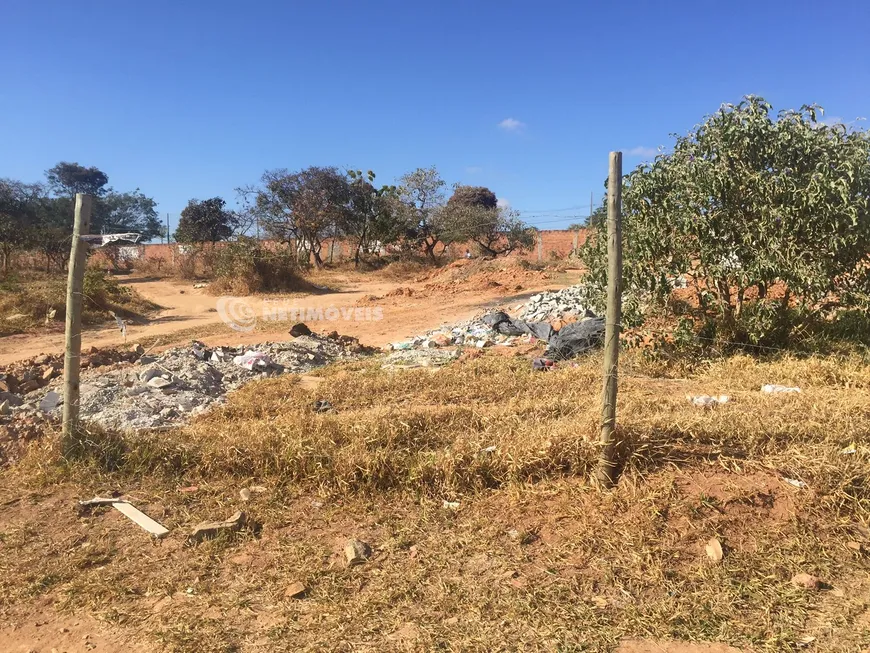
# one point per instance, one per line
(533, 559)
(36, 296)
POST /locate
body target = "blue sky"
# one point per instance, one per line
(192, 99)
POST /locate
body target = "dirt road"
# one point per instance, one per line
(190, 313)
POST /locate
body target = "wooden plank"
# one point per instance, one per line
(137, 516)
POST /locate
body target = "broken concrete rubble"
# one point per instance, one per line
(207, 530)
(185, 381)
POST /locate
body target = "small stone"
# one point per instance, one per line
(146, 375)
(245, 494)
(159, 382)
(332, 335)
(806, 581)
(441, 340)
(49, 402)
(207, 529)
(4, 408)
(300, 329)
(356, 552)
(42, 359)
(137, 349)
(295, 590)
(480, 344)
(49, 373)
(30, 386)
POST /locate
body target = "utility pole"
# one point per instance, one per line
(73, 349)
(608, 473)
(168, 240)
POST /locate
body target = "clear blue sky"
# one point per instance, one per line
(192, 99)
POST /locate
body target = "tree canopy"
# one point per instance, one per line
(205, 221)
(745, 202)
(70, 178)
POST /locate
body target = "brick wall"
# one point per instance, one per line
(555, 244)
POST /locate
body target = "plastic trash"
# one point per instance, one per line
(401, 346)
(772, 388)
(706, 401)
(251, 359)
(543, 364)
(795, 482)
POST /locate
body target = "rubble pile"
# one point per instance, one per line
(573, 301)
(164, 391)
(30, 375)
(470, 333)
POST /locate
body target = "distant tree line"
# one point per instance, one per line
(303, 209)
(39, 216)
(308, 207)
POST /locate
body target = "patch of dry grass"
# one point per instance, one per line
(40, 297)
(533, 558)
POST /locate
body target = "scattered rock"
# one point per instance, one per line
(322, 406)
(30, 386)
(245, 494)
(159, 382)
(806, 581)
(714, 550)
(357, 552)
(300, 329)
(42, 359)
(207, 530)
(295, 590)
(49, 402)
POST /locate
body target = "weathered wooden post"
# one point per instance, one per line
(607, 472)
(75, 281)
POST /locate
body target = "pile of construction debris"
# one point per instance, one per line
(163, 391)
(30, 375)
(570, 302)
(560, 319)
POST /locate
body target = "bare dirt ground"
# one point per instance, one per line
(190, 313)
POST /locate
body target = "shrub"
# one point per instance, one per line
(245, 266)
(767, 219)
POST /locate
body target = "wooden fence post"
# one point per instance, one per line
(607, 473)
(75, 281)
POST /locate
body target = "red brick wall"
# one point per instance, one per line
(555, 244)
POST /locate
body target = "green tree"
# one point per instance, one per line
(70, 178)
(422, 196)
(373, 219)
(746, 201)
(473, 196)
(126, 212)
(205, 221)
(306, 206)
(19, 209)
